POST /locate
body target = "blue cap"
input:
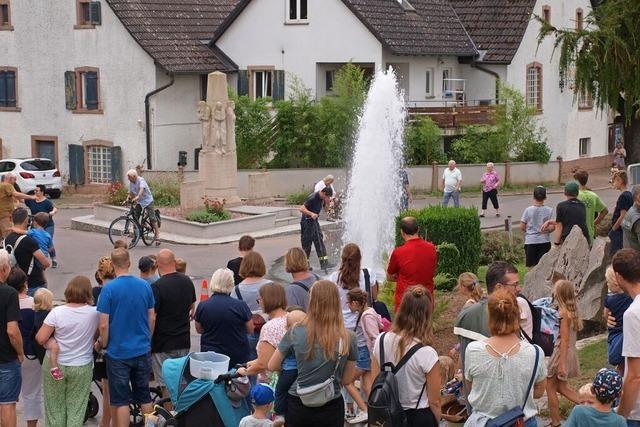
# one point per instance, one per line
(262, 394)
(607, 384)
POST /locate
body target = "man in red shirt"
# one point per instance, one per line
(413, 263)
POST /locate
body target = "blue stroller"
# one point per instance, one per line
(200, 402)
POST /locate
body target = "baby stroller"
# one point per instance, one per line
(201, 402)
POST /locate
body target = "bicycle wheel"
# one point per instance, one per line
(147, 233)
(124, 228)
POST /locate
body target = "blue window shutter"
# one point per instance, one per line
(71, 98)
(278, 85)
(116, 164)
(76, 164)
(3, 89)
(11, 88)
(91, 90)
(95, 13)
(243, 83)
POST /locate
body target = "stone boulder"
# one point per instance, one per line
(581, 265)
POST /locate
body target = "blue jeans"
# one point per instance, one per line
(32, 289)
(10, 382)
(633, 423)
(449, 195)
(135, 371)
(531, 422)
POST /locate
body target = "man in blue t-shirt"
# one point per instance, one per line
(127, 319)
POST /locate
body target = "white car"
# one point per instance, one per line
(33, 172)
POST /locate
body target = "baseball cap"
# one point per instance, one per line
(571, 188)
(539, 193)
(146, 263)
(262, 394)
(607, 384)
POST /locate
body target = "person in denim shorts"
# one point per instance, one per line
(11, 350)
(127, 317)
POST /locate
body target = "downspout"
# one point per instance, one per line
(488, 71)
(147, 118)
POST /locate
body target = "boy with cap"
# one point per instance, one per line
(262, 397)
(569, 213)
(536, 241)
(606, 388)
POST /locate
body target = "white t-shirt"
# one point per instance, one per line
(451, 178)
(320, 186)
(631, 345)
(75, 329)
(412, 377)
(350, 317)
(526, 317)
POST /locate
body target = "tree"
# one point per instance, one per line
(423, 142)
(603, 59)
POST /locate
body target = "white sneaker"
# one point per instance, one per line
(362, 417)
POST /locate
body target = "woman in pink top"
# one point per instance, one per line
(490, 181)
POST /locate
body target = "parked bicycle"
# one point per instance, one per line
(132, 226)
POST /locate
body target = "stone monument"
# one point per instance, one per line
(218, 172)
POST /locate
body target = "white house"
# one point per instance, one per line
(446, 52)
(101, 86)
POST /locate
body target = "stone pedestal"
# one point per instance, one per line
(259, 187)
(218, 173)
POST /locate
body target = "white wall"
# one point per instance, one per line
(174, 121)
(259, 36)
(561, 118)
(43, 46)
(480, 84)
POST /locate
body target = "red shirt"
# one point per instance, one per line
(415, 264)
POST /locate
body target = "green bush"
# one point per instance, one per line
(447, 269)
(166, 191)
(496, 247)
(297, 198)
(254, 129)
(459, 226)
(205, 217)
(444, 282)
(422, 142)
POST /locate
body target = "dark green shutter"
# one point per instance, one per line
(116, 164)
(70, 90)
(95, 13)
(91, 90)
(11, 88)
(76, 164)
(4, 98)
(243, 83)
(278, 85)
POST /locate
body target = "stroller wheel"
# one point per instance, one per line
(92, 407)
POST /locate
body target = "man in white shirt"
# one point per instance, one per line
(626, 265)
(327, 181)
(451, 181)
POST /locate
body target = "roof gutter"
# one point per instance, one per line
(147, 118)
(474, 64)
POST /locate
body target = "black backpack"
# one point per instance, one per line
(384, 406)
(544, 341)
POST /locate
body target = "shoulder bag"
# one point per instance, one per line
(317, 395)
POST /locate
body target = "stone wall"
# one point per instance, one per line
(591, 164)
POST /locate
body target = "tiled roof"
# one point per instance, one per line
(172, 31)
(431, 28)
(495, 26)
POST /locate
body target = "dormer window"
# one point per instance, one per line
(297, 11)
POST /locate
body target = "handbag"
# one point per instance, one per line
(514, 417)
(317, 395)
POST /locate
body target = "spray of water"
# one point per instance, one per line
(374, 191)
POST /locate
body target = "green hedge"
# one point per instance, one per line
(457, 226)
(448, 260)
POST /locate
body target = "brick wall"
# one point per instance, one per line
(590, 164)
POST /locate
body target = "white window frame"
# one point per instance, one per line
(99, 164)
(429, 82)
(298, 19)
(584, 151)
(266, 79)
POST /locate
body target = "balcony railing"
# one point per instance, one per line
(454, 115)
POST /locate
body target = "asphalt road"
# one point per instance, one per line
(79, 251)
